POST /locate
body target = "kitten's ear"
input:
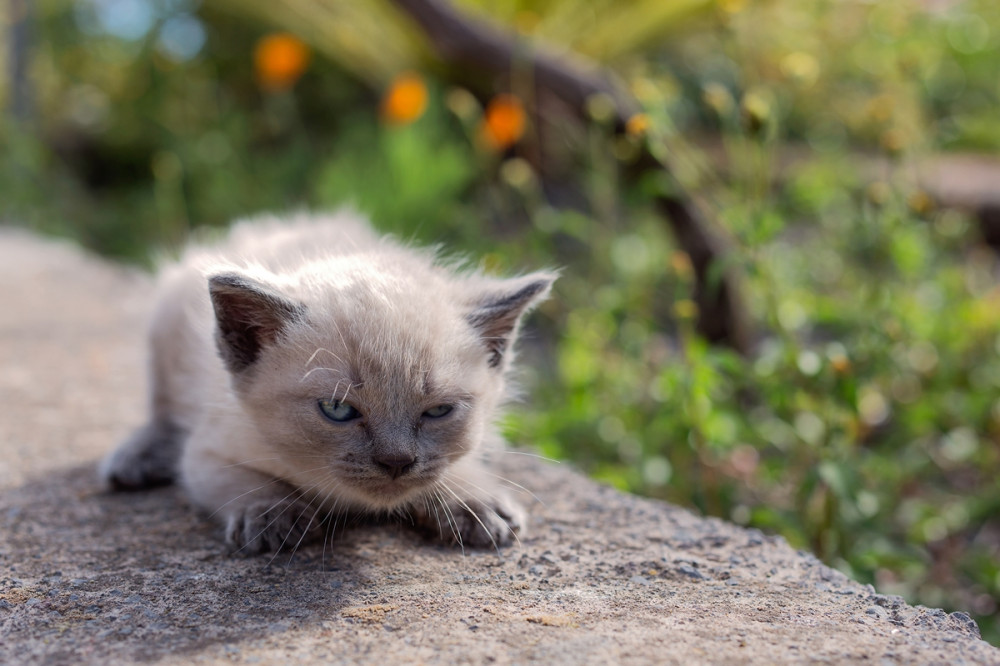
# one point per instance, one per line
(498, 312)
(249, 316)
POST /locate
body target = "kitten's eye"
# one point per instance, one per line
(338, 411)
(438, 412)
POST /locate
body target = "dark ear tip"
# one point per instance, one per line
(543, 281)
(222, 281)
(533, 288)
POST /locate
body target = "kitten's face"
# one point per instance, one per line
(372, 425)
(369, 402)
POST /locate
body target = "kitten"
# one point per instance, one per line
(305, 369)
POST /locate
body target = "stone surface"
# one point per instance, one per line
(97, 578)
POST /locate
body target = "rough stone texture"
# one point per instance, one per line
(91, 577)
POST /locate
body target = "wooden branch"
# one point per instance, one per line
(468, 43)
(458, 39)
(721, 315)
(19, 37)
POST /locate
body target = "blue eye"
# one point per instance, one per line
(338, 411)
(438, 412)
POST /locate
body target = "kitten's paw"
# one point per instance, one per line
(148, 458)
(477, 524)
(272, 525)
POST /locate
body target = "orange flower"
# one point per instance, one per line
(504, 122)
(637, 125)
(681, 263)
(840, 364)
(405, 100)
(280, 59)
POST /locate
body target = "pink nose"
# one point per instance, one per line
(395, 465)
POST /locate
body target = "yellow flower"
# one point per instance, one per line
(526, 21)
(279, 60)
(920, 202)
(893, 140)
(718, 97)
(504, 122)
(405, 100)
(756, 112)
(685, 309)
(732, 6)
(800, 66)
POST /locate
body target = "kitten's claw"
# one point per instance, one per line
(270, 526)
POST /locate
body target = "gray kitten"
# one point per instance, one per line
(306, 369)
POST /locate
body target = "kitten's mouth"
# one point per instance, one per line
(388, 493)
(373, 486)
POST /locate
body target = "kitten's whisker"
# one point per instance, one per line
(309, 372)
(317, 352)
(517, 486)
(296, 491)
(452, 523)
(260, 487)
(465, 506)
(331, 529)
(427, 510)
(467, 485)
(530, 455)
(242, 495)
(291, 529)
(247, 462)
(433, 506)
(475, 490)
(336, 327)
(305, 530)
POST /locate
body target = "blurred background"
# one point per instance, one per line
(842, 155)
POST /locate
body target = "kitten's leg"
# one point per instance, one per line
(149, 457)
(146, 459)
(468, 508)
(259, 512)
(151, 454)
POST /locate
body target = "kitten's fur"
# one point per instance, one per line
(249, 335)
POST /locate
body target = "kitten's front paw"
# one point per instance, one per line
(491, 524)
(272, 525)
(148, 458)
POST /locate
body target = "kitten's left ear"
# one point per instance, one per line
(498, 313)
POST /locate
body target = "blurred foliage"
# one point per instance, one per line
(375, 41)
(866, 427)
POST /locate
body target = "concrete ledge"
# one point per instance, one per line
(603, 577)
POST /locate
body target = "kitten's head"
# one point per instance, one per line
(370, 385)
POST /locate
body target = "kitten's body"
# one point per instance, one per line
(262, 343)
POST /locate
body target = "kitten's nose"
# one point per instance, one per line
(395, 465)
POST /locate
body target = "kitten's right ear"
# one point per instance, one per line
(249, 316)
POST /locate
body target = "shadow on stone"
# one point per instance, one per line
(141, 575)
